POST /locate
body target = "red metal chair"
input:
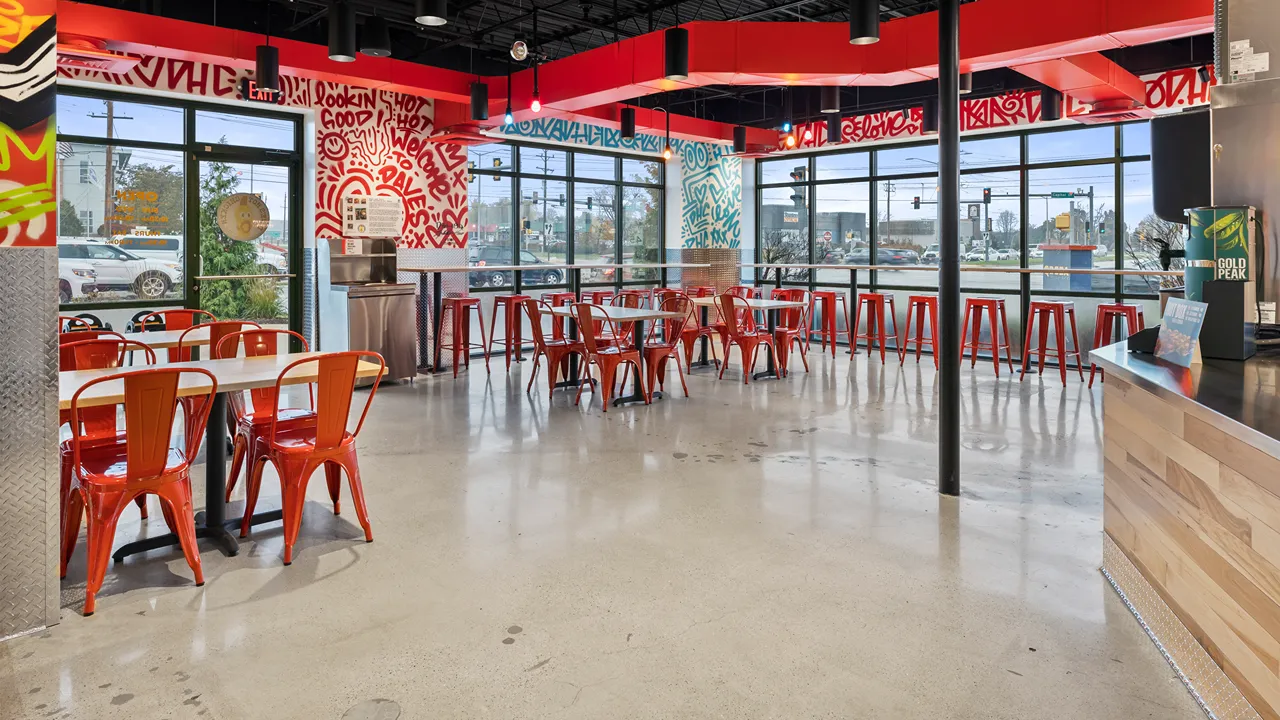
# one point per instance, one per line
(712, 328)
(605, 357)
(298, 451)
(924, 308)
(247, 425)
(216, 330)
(630, 298)
(143, 464)
(75, 336)
(973, 308)
(175, 320)
(71, 323)
(1108, 314)
(633, 299)
(741, 330)
(512, 337)
(1055, 311)
(457, 310)
(556, 350)
(876, 331)
(661, 347)
(99, 423)
(555, 300)
(792, 323)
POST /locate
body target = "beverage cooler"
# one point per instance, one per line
(362, 307)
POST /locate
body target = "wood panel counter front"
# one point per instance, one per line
(1192, 500)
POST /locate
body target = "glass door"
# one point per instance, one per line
(246, 250)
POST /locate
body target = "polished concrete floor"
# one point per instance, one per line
(774, 550)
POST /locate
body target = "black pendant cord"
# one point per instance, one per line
(949, 252)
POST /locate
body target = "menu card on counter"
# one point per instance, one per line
(372, 216)
(1178, 341)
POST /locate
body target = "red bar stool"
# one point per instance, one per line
(829, 328)
(696, 291)
(994, 308)
(875, 304)
(512, 337)
(919, 305)
(456, 309)
(1107, 315)
(1056, 311)
(597, 297)
(558, 299)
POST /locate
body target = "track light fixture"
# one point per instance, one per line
(342, 32)
(430, 12)
(864, 22)
(376, 38)
(1050, 105)
(628, 122)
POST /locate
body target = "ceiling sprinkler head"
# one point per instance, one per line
(519, 51)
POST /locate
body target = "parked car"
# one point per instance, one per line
(1035, 252)
(495, 255)
(897, 256)
(168, 248)
(76, 279)
(976, 256)
(931, 254)
(858, 256)
(119, 269)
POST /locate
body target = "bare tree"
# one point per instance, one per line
(785, 247)
(1142, 247)
(1007, 226)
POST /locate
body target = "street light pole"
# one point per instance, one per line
(949, 252)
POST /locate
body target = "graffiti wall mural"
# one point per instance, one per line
(28, 36)
(367, 142)
(710, 183)
(1166, 91)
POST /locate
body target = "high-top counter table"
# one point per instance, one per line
(1192, 517)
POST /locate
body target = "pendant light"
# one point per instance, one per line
(929, 116)
(739, 138)
(266, 73)
(430, 12)
(479, 101)
(1050, 105)
(628, 122)
(375, 41)
(667, 152)
(342, 32)
(864, 22)
(833, 129)
(675, 43)
(966, 83)
(786, 110)
(536, 104)
(508, 118)
(830, 99)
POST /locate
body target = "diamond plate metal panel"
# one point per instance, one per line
(451, 284)
(28, 440)
(310, 313)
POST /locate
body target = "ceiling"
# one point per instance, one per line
(479, 34)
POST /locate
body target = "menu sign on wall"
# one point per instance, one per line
(372, 216)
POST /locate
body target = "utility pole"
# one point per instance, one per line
(109, 175)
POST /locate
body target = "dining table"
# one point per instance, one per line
(636, 317)
(168, 339)
(770, 308)
(233, 375)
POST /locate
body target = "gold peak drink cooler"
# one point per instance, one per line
(1221, 265)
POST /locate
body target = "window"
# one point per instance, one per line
(906, 229)
(85, 177)
(91, 117)
(596, 167)
(843, 227)
(842, 165)
(642, 232)
(542, 161)
(494, 158)
(642, 171)
(784, 227)
(490, 240)
(245, 130)
(1072, 213)
(1083, 144)
(1136, 138)
(992, 152)
(543, 209)
(1146, 234)
(901, 161)
(779, 171)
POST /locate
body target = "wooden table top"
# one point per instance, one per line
(233, 374)
(755, 303)
(973, 268)
(622, 314)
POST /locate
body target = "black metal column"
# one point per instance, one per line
(949, 237)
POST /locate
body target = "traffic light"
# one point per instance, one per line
(588, 203)
(561, 199)
(986, 195)
(798, 174)
(915, 202)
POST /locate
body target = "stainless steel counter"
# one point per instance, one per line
(1237, 397)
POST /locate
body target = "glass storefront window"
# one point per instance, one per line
(784, 227)
(641, 238)
(119, 120)
(1144, 233)
(594, 167)
(990, 233)
(779, 171)
(120, 223)
(991, 152)
(842, 165)
(641, 171)
(489, 237)
(245, 130)
(904, 160)
(904, 231)
(1072, 222)
(843, 227)
(542, 232)
(1063, 145)
(542, 161)
(490, 158)
(1136, 139)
